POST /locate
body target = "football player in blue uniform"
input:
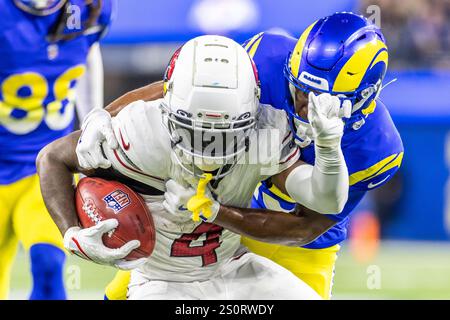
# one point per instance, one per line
(46, 47)
(344, 55)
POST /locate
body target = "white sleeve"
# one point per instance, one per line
(90, 86)
(324, 187)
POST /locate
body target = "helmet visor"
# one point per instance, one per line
(210, 140)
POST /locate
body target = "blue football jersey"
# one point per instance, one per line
(38, 78)
(373, 151)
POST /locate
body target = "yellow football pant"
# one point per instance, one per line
(117, 289)
(314, 266)
(24, 218)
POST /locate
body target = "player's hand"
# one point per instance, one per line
(96, 128)
(325, 116)
(88, 244)
(176, 197)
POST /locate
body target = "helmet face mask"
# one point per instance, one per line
(207, 146)
(40, 7)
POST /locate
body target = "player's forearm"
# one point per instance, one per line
(322, 188)
(150, 92)
(56, 180)
(273, 226)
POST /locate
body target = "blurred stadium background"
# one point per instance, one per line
(398, 246)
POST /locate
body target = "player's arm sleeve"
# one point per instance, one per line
(90, 86)
(354, 198)
(323, 187)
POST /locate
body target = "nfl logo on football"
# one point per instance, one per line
(117, 200)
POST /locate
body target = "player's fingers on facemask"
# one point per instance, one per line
(324, 99)
(324, 105)
(312, 100)
(332, 107)
(313, 105)
(346, 109)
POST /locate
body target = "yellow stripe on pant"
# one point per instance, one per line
(24, 218)
(314, 266)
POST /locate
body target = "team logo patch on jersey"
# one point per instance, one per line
(117, 200)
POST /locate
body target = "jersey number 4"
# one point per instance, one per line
(182, 247)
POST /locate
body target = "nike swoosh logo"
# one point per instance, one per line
(373, 185)
(124, 145)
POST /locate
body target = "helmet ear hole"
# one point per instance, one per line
(367, 92)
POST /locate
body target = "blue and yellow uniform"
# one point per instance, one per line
(372, 148)
(42, 57)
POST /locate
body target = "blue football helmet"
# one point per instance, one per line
(40, 7)
(343, 54)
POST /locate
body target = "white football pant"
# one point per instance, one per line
(249, 277)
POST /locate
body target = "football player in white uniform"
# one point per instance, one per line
(208, 122)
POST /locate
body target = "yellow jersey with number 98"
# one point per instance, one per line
(37, 82)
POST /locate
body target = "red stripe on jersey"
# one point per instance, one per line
(291, 156)
(239, 256)
(125, 146)
(286, 137)
(134, 170)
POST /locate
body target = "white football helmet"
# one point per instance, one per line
(211, 97)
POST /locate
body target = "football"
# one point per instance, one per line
(98, 199)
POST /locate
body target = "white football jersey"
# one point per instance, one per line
(187, 250)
